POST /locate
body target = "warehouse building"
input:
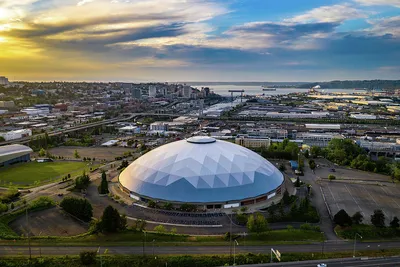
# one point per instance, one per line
(12, 154)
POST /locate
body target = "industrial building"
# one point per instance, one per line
(253, 141)
(318, 139)
(12, 135)
(12, 154)
(203, 171)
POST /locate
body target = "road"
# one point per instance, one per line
(179, 250)
(352, 262)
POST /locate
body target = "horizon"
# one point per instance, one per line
(219, 40)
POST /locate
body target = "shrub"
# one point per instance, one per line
(395, 223)
(160, 229)
(3, 207)
(82, 181)
(331, 177)
(88, 257)
(305, 226)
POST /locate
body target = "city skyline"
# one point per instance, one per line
(171, 40)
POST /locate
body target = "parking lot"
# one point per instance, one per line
(353, 197)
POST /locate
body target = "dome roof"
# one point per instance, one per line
(200, 170)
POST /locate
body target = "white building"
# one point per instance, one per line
(152, 91)
(363, 116)
(318, 139)
(12, 135)
(3, 80)
(130, 129)
(36, 111)
(323, 126)
(159, 126)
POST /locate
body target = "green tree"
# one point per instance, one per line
(160, 229)
(42, 152)
(282, 167)
(286, 197)
(82, 181)
(76, 154)
(88, 257)
(311, 164)
(306, 154)
(297, 183)
(103, 187)
(395, 223)
(342, 218)
(112, 221)
(378, 218)
(78, 207)
(257, 223)
(2, 139)
(357, 218)
(331, 177)
(315, 151)
(140, 225)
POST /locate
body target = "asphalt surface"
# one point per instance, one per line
(193, 250)
(352, 262)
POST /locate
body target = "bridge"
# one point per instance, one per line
(237, 91)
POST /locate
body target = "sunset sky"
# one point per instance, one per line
(199, 40)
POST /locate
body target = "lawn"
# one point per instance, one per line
(27, 174)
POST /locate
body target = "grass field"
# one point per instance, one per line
(26, 174)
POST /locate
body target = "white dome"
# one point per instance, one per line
(200, 170)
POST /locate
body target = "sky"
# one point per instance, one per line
(199, 40)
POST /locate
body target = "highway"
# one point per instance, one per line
(348, 262)
(196, 250)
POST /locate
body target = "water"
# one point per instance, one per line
(257, 90)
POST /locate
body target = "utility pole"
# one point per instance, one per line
(29, 237)
(355, 242)
(230, 235)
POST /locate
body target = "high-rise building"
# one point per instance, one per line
(152, 91)
(136, 93)
(3, 80)
(187, 91)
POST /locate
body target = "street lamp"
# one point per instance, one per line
(355, 242)
(234, 251)
(153, 245)
(323, 245)
(101, 259)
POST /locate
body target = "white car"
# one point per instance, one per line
(322, 265)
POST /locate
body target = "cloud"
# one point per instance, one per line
(334, 13)
(390, 27)
(395, 3)
(83, 2)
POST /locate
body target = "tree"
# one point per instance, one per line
(282, 167)
(357, 218)
(160, 229)
(257, 223)
(140, 225)
(103, 187)
(311, 164)
(112, 221)
(82, 181)
(78, 207)
(42, 152)
(286, 197)
(342, 218)
(378, 218)
(395, 223)
(88, 257)
(297, 183)
(306, 154)
(331, 177)
(2, 139)
(76, 154)
(315, 151)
